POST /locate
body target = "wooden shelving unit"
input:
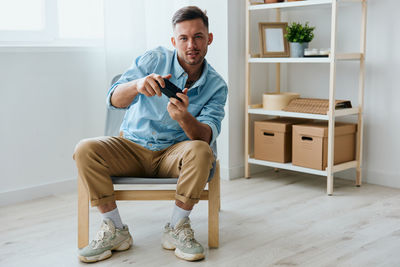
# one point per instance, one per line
(332, 113)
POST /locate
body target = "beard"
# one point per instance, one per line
(194, 57)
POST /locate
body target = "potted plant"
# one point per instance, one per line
(298, 36)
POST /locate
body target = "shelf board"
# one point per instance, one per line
(295, 4)
(290, 4)
(289, 60)
(281, 113)
(339, 56)
(338, 113)
(287, 166)
(290, 166)
(347, 111)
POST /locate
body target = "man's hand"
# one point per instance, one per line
(148, 85)
(194, 129)
(125, 93)
(177, 109)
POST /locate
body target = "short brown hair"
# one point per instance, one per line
(189, 13)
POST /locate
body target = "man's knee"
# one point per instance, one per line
(84, 148)
(200, 149)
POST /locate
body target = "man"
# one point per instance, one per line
(161, 137)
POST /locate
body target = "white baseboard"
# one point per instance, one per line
(389, 179)
(232, 173)
(38, 191)
(238, 171)
(224, 172)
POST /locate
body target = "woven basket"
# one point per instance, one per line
(315, 106)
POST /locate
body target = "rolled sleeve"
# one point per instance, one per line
(109, 94)
(141, 67)
(213, 112)
(214, 130)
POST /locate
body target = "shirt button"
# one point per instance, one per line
(150, 145)
(153, 133)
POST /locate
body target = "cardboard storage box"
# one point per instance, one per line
(273, 139)
(310, 144)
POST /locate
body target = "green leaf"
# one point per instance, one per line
(296, 32)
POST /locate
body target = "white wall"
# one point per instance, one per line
(51, 98)
(382, 109)
(133, 27)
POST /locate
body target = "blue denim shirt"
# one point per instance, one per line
(147, 121)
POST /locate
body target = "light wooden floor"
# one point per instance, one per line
(273, 219)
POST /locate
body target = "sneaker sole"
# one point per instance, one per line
(168, 245)
(189, 257)
(107, 254)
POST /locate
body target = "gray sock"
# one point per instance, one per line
(114, 217)
(178, 214)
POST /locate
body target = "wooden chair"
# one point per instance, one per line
(114, 119)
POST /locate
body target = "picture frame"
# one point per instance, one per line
(272, 39)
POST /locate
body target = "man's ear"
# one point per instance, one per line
(210, 38)
(173, 41)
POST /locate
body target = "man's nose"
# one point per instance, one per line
(191, 43)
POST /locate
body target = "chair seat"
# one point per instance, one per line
(141, 180)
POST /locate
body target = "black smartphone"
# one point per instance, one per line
(170, 89)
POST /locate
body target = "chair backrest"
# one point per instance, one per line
(114, 117)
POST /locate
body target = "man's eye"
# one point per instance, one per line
(183, 38)
(199, 37)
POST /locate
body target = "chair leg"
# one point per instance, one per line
(213, 211)
(83, 215)
(219, 191)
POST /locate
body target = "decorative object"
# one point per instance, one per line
(256, 2)
(259, 105)
(315, 105)
(311, 52)
(324, 51)
(277, 101)
(297, 49)
(272, 39)
(299, 36)
(315, 52)
(272, 1)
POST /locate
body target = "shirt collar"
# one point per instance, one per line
(179, 71)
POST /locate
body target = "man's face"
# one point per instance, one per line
(191, 39)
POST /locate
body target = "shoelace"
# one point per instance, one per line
(100, 235)
(188, 233)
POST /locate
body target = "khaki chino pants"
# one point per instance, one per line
(99, 158)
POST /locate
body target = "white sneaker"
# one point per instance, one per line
(181, 238)
(108, 238)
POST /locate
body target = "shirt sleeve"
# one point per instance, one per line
(213, 112)
(141, 67)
